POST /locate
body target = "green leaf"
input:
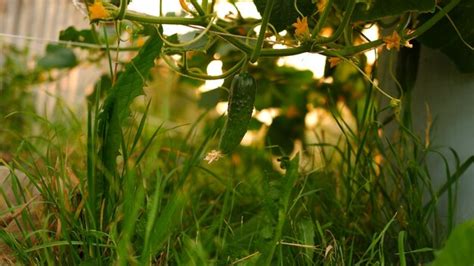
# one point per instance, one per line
(444, 37)
(459, 249)
(284, 13)
(366, 10)
(209, 99)
(116, 107)
(73, 35)
(282, 133)
(307, 236)
(103, 86)
(57, 56)
(200, 45)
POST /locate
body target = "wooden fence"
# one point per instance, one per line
(35, 23)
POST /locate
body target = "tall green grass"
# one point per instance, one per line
(116, 189)
(171, 207)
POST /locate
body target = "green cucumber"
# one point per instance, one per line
(239, 111)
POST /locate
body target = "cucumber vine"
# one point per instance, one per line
(210, 25)
(305, 23)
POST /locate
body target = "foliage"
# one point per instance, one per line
(284, 13)
(57, 56)
(459, 247)
(132, 188)
(454, 36)
(368, 10)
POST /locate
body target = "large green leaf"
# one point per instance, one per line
(443, 36)
(376, 9)
(284, 12)
(57, 56)
(459, 249)
(116, 107)
(74, 35)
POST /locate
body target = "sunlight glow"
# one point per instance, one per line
(221, 108)
(372, 34)
(264, 116)
(306, 61)
(311, 119)
(153, 8)
(249, 138)
(248, 10)
(214, 68)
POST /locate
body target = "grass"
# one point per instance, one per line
(170, 207)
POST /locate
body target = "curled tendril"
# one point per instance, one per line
(197, 38)
(193, 73)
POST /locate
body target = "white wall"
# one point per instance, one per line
(450, 96)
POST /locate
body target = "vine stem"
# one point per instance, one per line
(200, 21)
(263, 30)
(198, 7)
(322, 18)
(122, 9)
(340, 30)
(313, 47)
(143, 18)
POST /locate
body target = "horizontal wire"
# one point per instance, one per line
(96, 46)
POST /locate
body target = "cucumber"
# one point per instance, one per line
(239, 111)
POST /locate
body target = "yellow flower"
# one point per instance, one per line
(321, 5)
(140, 41)
(98, 11)
(333, 61)
(394, 41)
(301, 29)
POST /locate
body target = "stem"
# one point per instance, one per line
(295, 5)
(263, 29)
(345, 21)
(122, 9)
(138, 17)
(322, 18)
(287, 52)
(198, 8)
(432, 21)
(404, 22)
(348, 35)
(109, 57)
(352, 50)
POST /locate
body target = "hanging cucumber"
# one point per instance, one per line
(239, 111)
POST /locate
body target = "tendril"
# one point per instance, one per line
(197, 38)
